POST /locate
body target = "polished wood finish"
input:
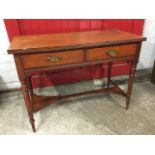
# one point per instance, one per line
(48, 52)
(52, 59)
(102, 53)
(39, 43)
(20, 27)
(25, 87)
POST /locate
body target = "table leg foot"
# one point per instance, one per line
(127, 103)
(28, 103)
(32, 122)
(130, 83)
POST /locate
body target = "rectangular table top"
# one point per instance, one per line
(72, 40)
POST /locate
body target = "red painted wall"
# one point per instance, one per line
(45, 26)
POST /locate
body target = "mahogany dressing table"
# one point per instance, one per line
(65, 50)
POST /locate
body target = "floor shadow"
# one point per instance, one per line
(2, 87)
(74, 88)
(114, 101)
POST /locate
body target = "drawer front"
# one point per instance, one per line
(52, 59)
(111, 52)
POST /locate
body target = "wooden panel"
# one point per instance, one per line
(63, 41)
(102, 53)
(26, 26)
(84, 24)
(52, 59)
(68, 25)
(138, 26)
(12, 27)
(45, 26)
(130, 25)
(121, 24)
(96, 24)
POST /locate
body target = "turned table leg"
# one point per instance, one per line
(130, 83)
(109, 74)
(102, 73)
(29, 84)
(28, 103)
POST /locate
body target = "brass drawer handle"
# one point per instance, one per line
(54, 58)
(112, 52)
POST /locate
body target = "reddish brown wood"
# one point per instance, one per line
(130, 83)
(31, 54)
(102, 53)
(132, 75)
(118, 88)
(25, 89)
(30, 71)
(42, 101)
(28, 103)
(43, 60)
(40, 43)
(17, 27)
(29, 84)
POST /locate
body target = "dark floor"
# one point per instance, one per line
(91, 114)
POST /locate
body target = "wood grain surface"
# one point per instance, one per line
(102, 53)
(35, 43)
